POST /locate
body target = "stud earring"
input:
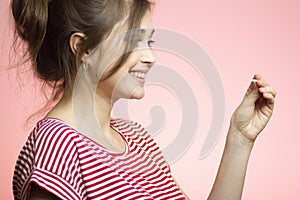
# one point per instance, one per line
(85, 66)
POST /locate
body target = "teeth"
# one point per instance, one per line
(138, 74)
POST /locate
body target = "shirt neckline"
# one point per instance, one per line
(112, 121)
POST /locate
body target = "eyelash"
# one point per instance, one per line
(150, 42)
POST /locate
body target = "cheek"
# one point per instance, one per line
(123, 71)
(132, 60)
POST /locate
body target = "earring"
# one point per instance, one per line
(85, 66)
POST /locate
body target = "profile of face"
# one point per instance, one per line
(128, 81)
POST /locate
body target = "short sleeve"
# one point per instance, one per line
(50, 160)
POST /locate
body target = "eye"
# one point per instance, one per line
(150, 42)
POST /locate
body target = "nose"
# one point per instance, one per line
(148, 56)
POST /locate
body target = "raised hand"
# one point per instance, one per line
(256, 109)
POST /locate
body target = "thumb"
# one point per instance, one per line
(252, 94)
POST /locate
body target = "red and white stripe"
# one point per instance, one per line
(69, 165)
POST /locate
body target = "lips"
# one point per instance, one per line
(139, 75)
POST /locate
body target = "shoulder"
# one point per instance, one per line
(53, 128)
(54, 140)
(49, 159)
(50, 142)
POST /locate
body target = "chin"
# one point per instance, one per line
(138, 94)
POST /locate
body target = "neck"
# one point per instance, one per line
(103, 106)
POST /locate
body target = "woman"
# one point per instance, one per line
(102, 48)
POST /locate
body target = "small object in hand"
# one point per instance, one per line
(254, 80)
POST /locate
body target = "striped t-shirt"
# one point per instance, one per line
(70, 165)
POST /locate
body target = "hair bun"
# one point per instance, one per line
(31, 17)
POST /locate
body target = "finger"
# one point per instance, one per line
(262, 83)
(268, 89)
(269, 96)
(257, 77)
(266, 104)
(251, 95)
(268, 93)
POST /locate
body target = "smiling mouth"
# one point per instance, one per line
(140, 75)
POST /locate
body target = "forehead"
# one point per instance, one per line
(146, 21)
(146, 25)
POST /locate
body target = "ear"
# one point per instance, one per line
(75, 41)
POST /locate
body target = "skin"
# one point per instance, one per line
(247, 122)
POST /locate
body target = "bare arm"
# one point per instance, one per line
(248, 120)
(231, 174)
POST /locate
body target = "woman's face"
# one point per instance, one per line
(129, 80)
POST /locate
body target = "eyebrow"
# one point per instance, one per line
(153, 31)
(143, 31)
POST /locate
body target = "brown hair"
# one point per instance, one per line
(47, 25)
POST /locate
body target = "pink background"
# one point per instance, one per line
(242, 38)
